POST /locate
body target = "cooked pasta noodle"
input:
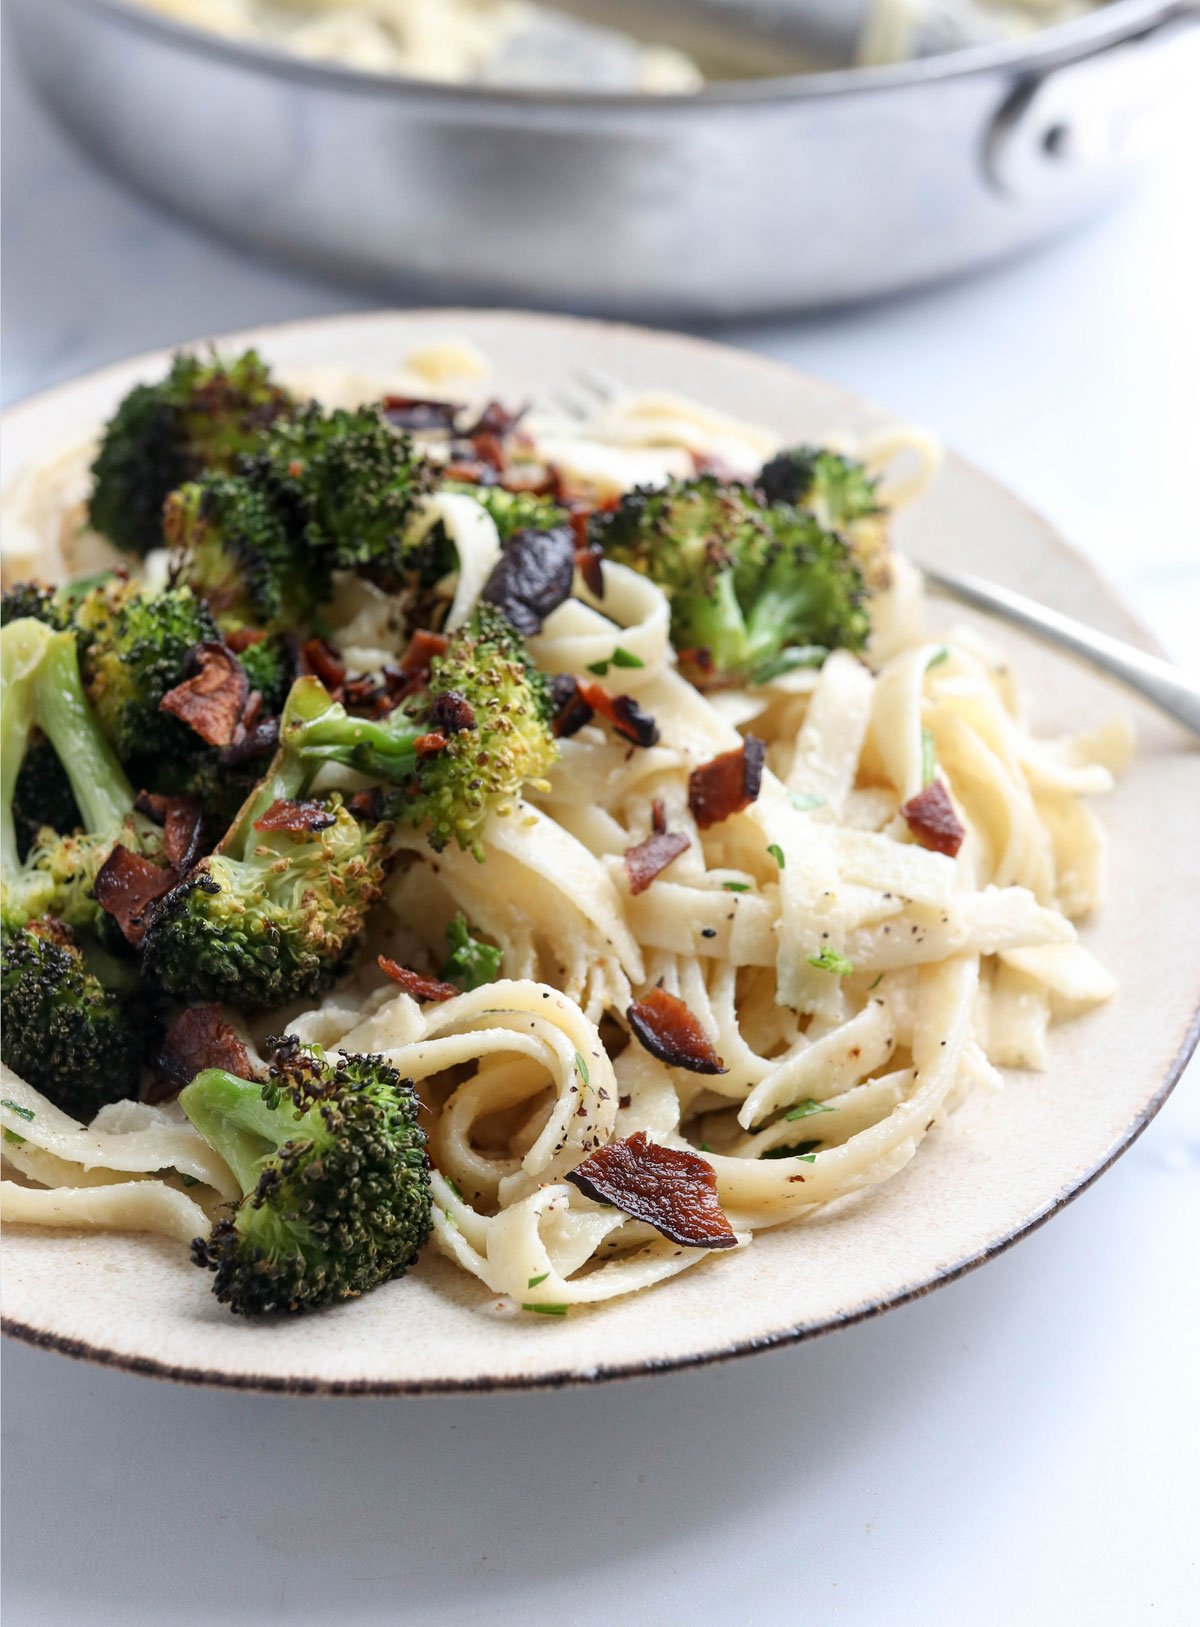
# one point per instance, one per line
(855, 984)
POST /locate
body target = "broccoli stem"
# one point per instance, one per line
(20, 649)
(233, 1118)
(64, 716)
(715, 623)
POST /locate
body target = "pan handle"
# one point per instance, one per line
(1098, 113)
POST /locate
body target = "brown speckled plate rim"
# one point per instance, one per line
(270, 1384)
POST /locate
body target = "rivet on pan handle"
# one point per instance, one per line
(1098, 113)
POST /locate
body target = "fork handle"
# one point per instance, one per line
(1160, 682)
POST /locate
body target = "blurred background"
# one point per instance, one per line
(986, 216)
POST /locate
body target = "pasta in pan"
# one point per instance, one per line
(853, 983)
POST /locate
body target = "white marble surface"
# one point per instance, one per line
(1019, 1447)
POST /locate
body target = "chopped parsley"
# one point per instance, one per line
(873, 986)
(928, 758)
(188, 1180)
(533, 1281)
(805, 1110)
(618, 658)
(546, 1310)
(829, 960)
(582, 1066)
(936, 659)
(471, 963)
(14, 1139)
(25, 1113)
(736, 886)
(802, 801)
(778, 855)
(800, 1149)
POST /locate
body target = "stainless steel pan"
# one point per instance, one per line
(753, 196)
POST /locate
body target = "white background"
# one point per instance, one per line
(1021, 1447)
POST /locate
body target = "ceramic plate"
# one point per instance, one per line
(992, 1173)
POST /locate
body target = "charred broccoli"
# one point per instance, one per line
(276, 910)
(71, 1026)
(42, 689)
(323, 492)
(238, 542)
(67, 1034)
(354, 482)
(36, 600)
(839, 492)
(756, 588)
(134, 647)
(459, 751)
(513, 511)
(332, 1163)
(202, 416)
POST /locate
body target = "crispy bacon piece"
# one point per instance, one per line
(243, 638)
(533, 576)
(496, 419)
(571, 711)
(451, 713)
(422, 647)
(126, 886)
(416, 413)
(183, 830)
(421, 988)
(933, 821)
(589, 561)
(213, 701)
(727, 784)
(182, 819)
(658, 816)
(299, 818)
(671, 1032)
(673, 1190)
(489, 450)
(428, 745)
(198, 1038)
(651, 857)
(536, 479)
(621, 712)
(320, 660)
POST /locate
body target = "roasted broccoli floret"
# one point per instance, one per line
(238, 542)
(756, 588)
(459, 751)
(134, 647)
(202, 417)
(332, 1163)
(513, 511)
(840, 493)
(42, 794)
(71, 1026)
(36, 600)
(355, 481)
(77, 1041)
(276, 911)
(42, 690)
(269, 667)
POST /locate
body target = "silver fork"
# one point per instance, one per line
(1161, 682)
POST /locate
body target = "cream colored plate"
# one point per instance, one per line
(992, 1173)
